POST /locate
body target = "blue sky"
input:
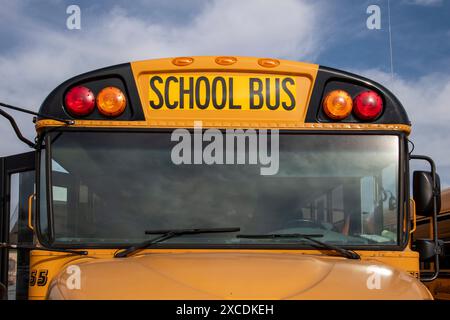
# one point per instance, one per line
(38, 52)
(420, 38)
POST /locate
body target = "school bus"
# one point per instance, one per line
(218, 178)
(440, 287)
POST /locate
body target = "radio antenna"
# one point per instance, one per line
(390, 40)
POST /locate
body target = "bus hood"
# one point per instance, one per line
(233, 275)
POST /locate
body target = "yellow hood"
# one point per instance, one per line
(235, 275)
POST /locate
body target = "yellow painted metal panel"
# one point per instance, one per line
(179, 273)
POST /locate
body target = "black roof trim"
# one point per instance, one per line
(120, 76)
(329, 79)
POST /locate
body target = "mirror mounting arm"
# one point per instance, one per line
(15, 126)
(17, 130)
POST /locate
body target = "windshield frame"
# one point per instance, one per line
(47, 239)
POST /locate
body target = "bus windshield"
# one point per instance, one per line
(109, 187)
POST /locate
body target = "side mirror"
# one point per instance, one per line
(428, 248)
(427, 197)
(424, 191)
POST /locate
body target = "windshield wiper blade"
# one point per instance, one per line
(343, 252)
(278, 235)
(167, 234)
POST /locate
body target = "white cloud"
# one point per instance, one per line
(48, 56)
(288, 29)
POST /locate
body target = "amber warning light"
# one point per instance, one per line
(111, 101)
(338, 105)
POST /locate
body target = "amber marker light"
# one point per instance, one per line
(111, 101)
(268, 63)
(337, 104)
(225, 61)
(182, 61)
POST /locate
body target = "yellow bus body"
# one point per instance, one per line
(226, 273)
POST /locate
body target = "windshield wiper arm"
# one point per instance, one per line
(167, 234)
(343, 252)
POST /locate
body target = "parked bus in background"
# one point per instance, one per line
(440, 288)
(218, 178)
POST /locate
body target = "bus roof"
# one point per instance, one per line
(267, 93)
